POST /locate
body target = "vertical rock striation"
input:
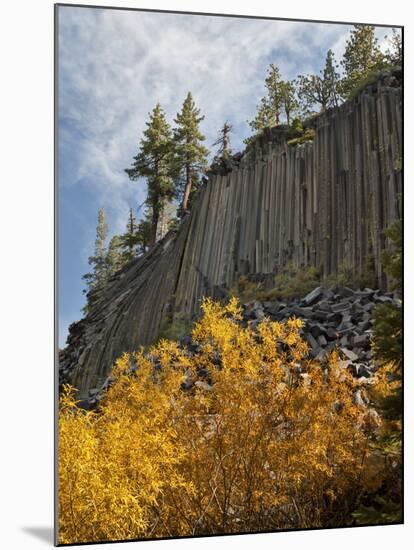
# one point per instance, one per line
(324, 203)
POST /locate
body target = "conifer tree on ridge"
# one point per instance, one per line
(98, 277)
(154, 161)
(190, 154)
(362, 55)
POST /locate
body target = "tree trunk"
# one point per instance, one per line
(187, 189)
(154, 223)
(155, 209)
(131, 232)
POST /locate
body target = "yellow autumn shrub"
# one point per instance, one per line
(114, 465)
(246, 434)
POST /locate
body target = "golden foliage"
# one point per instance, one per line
(263, 439)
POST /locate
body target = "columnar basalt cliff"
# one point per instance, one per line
(324, 203)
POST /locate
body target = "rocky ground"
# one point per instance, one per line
(339, 318)
(335, 318)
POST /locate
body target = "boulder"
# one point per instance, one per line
(324, 305)
(321, 355)
(315, 329)
(331, 334)
(322, 340)
(349, 354)
(335, 318)
(341, 307)
(313, 296)
(364, 325)
(358, 399)
(344, 342)
(318, 315)
(302, 312)
(345, 292)
(312, 342)
(361, 340)
(259, 314)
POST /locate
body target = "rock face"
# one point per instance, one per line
(324, 204)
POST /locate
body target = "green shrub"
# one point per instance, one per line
(175, 329)
(308, 135)
(392, 258)
(368, 80)
(288, 283)
(346, 276)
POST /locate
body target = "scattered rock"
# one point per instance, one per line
(312, 342)
(340, 307)
(350, 354)
(364, 325)
(315, 329)
(322, 340)
(334, 318)
(313, 296)
(361, 340)
(345, 292)
(259, 313)
(331, 334)
(322, 355)
(359, 400)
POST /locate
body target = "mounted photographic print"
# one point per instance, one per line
(229, 274)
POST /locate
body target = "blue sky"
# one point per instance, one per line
(114, 66)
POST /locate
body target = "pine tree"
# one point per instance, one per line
(144, 235)
(99, 275)
(114, 257)
(332, 80)
(154, 161)
(190, 153)
(134, 242)
(223, 142)
(280, 99)
(269, 109)
(273, 84)
(362, 56)
(290, 104)
(130, 239)
(263, 118)
(393, 54)
(322, 89)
